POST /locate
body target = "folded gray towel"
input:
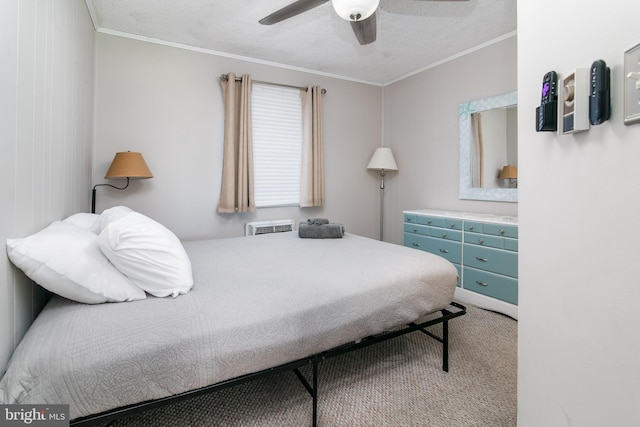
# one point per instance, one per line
(317, 221)
(323, 231)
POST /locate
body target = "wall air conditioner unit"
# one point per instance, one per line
(266, 227)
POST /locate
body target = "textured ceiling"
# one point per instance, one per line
(412, 34)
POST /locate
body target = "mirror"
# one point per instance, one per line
(488, 142)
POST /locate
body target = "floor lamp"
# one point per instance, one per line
(129, 165)
(382, 160)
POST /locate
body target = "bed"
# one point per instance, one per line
(257, 305)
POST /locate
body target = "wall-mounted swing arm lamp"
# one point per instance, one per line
(383, 161)
(510, 172)
(129, 165)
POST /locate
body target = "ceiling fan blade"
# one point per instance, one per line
(365, 30)
(293, 9)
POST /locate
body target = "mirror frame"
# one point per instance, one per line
(464, 169)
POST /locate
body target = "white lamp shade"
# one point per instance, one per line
(355, 10)
(383, 159)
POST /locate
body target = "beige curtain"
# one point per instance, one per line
(236, 193)
(312, 180)
(477, 155)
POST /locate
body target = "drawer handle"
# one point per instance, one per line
(415, 245)
(444, 235)
(428, 221)
(444, 251)
(415, 230)
(471, 228)
(453, 226)
(481, 283)
(501, 231)
(482, 259)
(481, 241)
(408, 220)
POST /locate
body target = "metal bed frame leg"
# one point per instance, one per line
(311, 388)
(445, 345)
(444, 339)
(314, 395)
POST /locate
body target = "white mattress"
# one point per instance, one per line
(257, 302)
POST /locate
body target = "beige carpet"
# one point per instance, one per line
(396, 383)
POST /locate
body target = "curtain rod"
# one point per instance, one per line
(225, 77)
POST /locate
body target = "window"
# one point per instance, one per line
(277, 144)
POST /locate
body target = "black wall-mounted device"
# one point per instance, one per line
(599, 93)
(547, 112)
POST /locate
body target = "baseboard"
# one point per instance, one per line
(478, 300)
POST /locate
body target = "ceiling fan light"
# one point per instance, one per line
(355, 10)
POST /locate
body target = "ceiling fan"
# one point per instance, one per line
(361, 14)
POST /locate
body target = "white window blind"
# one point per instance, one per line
(277, 144)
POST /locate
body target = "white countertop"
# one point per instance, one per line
(502, 219)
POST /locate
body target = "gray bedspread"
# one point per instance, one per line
(257, 302)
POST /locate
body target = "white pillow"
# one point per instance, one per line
(67, 261)
(86, 221)
(148, 253)
(112, 214)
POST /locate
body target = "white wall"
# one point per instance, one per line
(46, 113)
(166, 102)
(579, 334)
(421, 127)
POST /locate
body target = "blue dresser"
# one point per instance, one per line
(435, 234)
(483, 247)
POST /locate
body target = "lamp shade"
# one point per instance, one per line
(383, 159)
(355, 10)
(509, 172)
(128, 164)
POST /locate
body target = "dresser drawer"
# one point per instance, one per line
(415, 241)
(500, 230)
(453, 223)
(446, 234)
(410, 218)
(473, 226)
(435, 221)
(416, 229)
(492, 285)
(484, 240)
(511, 244)
(495, 260)
(451, 251)
(447, 249)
